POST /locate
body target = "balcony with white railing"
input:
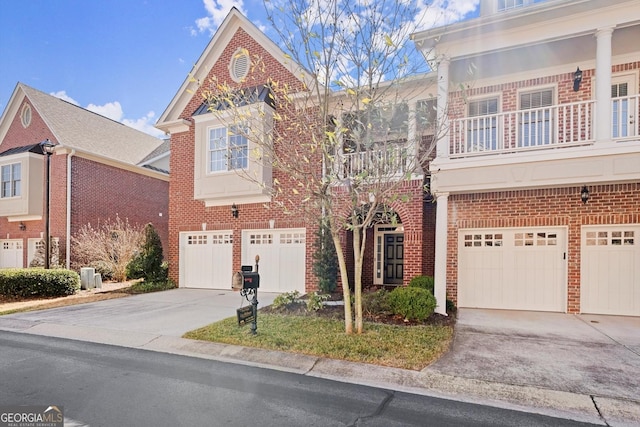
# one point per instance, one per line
(552, 127)
(384, 162)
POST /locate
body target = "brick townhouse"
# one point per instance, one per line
(99, 169)
(537, 182)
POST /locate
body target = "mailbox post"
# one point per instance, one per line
(248, 282)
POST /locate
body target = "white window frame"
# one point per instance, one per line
(549, 118)
(234, 156)
(14, 188)
(486, 126)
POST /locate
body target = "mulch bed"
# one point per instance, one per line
(337, 312)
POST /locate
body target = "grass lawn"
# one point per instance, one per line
(409, 347)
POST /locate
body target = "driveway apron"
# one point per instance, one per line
(585, 354)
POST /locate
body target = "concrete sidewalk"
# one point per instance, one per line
(585, 368)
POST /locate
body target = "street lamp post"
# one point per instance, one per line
(47, 148)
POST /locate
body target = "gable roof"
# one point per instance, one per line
(77, 128)
(232, 22)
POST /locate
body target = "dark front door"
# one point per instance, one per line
(393, 258)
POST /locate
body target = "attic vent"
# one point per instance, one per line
(25, 115)
(239, 65)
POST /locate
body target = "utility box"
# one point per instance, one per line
(87, 280)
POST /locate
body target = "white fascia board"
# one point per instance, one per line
(542, 24)
(61, 149)
(173, 127)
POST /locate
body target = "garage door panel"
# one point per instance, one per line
(282, 258)
(11, 252)
(512, 269)
(206, 259)
(610, 270)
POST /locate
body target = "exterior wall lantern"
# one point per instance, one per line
(22, 226)
(577, 79)
(584, 194)
(234, 211)
(47, 148)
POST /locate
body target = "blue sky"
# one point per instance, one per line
(124, 59)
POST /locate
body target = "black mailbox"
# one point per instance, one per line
(250, 280)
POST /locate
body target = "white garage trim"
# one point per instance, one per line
(11, 253)
(282, 254)
(513, 268)
(610, 269)
(206, 259)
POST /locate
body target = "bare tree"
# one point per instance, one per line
(349, 132)
(109, 247)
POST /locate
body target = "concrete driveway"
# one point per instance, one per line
(583, 354)
(136, 318)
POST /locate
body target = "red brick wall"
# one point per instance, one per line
(99, 191)
(187, 214)
(608, 204)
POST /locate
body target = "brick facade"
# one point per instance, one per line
(98, 191)
(608, 204)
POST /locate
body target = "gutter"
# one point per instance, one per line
(70, 154)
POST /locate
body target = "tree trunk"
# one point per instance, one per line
(348, 316)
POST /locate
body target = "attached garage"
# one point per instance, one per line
(11, 253)
(513, 269)
(282, 258)
(206, 259)
(610, 270)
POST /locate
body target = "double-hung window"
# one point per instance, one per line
(10, 180)
(482, 123)
(536, 124)
(228, 148)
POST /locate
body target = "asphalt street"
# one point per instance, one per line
(103, 385)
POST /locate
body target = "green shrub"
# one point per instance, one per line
(148, 263)
(376, 302)
(315, 301)
(451, 306)
(286, 299)
(412, 303)
(38, 282)
(325, 259)
(424, 282)
(155, 286)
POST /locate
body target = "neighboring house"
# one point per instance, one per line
(207, 242)
(100, 169)
(537, 183)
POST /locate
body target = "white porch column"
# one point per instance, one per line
(603, 84)
(440, 273)
(442, 131)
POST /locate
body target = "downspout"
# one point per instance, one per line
(68, 238)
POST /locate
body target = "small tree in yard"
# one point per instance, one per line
(148, 262)
(108, 248)
(325, 259)
(338, 139)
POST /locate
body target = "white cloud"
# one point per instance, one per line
(145, 124)
(217, 10)
(62, 94)
(112, 110)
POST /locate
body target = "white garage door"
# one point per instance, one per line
(11, 253)
(514, 269)
(282, 258)
(206, 259)
(610, 270)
